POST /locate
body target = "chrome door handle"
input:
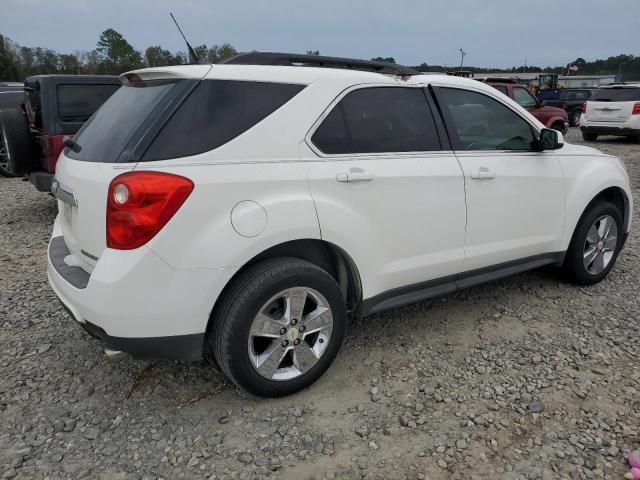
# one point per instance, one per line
(483, 173)
(355, 175)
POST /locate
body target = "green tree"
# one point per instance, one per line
(384, 59)
(8, 67)
(217, 54)
(116, 53)
(158, 57)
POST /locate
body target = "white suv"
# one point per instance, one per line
(249, 210)
(612, 110)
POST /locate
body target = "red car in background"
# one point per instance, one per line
(551, 117)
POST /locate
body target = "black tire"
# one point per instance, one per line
(589, 137)
(574, 118)
(232, 318)
(16, 143)
(573, 263)
(560, 127)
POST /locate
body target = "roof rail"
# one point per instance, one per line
(294, 59)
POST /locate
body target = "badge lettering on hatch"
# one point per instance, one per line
(87, 254)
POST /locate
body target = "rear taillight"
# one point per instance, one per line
(583, 108)
(139, 204)
(636, 109)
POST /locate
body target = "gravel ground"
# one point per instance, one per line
(525, 378)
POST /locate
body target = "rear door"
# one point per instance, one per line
(515, 195)
(612, 104)
(387, 188)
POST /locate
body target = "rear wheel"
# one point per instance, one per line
(589, 137)
(16, 144)
(574, 118)
(278, 327)
(596, 244)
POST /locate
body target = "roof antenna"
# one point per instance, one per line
(192, 53)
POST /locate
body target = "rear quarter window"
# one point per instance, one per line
(216, 112)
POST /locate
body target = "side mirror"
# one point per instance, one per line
(550, 140)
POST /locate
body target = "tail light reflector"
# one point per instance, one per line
(636, 109)
(583, 109)
(139, 205)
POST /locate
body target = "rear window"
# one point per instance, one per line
(574, 95)
(158, 120)
(616, 95)
(76, 103)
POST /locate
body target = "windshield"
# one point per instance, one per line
(617, 94)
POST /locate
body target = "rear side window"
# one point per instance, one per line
(616, 95)
(216, 112)
(76, 103)
(331, 137)
(379, 120)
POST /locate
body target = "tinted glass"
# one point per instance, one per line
(331, 137)
(104, 136)
(523, 98)
(574, 95)
(76, 103)
(483, 123)
(216, 112)
(502, 90)
(390, 119)
(616, 95)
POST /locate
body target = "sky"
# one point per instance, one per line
(494, 33)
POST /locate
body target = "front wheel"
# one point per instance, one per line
(596, 244)
(278, 327)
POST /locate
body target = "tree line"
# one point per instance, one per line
(114, 54)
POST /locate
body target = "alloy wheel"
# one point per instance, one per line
(290, 334)
(600, 244)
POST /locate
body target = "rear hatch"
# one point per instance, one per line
(612, 104)
(111, 143)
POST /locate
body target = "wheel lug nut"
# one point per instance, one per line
(285, 343)
(302, 329)
(296, 342)
(283, 331)
(294, 321)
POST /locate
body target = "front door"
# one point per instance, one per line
(515, 195)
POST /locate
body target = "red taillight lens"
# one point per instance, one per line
(636, 109)
(139, 204)
(583, 109)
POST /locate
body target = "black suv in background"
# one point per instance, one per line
(52, 107)
(571, 101)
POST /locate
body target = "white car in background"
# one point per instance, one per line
(250, 209)
(612, 110)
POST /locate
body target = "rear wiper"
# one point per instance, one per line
(71, 144)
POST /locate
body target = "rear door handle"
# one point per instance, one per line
(355, 175)
(483, 173)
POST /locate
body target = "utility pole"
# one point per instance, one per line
(462, 55)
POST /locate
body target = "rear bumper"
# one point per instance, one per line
(609, 130)
(41, 180)
(136, 303)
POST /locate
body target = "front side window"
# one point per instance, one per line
(379, 120)
(524, 98)
(483, 123)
